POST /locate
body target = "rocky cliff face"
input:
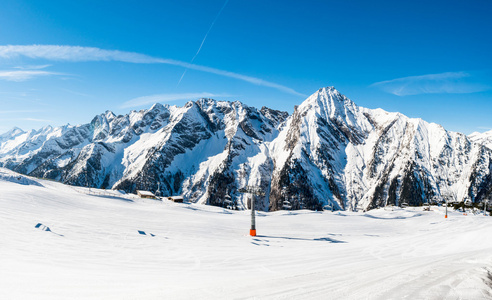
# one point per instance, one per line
(204, 150)
(328, 153)
(362, 158)
(484, 138)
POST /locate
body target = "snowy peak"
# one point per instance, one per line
(330, 111)
(484, 138)
(187, 150)
(229, 116)
(329, 103)
(310, 153)
(12, 133)
(359, 158)
(330, 153)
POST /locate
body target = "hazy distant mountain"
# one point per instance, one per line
(484, 138)
(11, 134)
(328, 152)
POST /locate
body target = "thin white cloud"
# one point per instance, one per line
(442, 83)
(35, 120)
(84, 54)
(28, 119)
(4, 112)
(22, 75)
(32, 67)
(76, 93)
(145, 100)
(73, 53)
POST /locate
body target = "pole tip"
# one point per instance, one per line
(252, 232)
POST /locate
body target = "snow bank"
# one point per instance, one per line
(7, 175)
(106, 248)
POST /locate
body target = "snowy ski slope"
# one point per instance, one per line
(93, 250)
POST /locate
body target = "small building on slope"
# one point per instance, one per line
(178, 199)
(146, 194)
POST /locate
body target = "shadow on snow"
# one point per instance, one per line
(322, 239)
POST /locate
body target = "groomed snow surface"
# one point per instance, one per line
(93, 250)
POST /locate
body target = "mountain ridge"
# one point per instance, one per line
(330, 153)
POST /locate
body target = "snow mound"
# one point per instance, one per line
(7, 175)
(61, 243)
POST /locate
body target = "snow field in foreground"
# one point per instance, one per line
(94, 250)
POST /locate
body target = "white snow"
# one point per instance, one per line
(10, 176)
(346, 152)
(94, 250)
(484, 138)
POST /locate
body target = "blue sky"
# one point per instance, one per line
(66, 61)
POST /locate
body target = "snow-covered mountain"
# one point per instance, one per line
(10, 134)
(364, 158)
(484, 138)
(204, 150)
(328, 152)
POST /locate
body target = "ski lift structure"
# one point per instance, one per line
(286, 205)
(254, 191)
(329, 206)
(389, 207)
(429, 202)
(228, 203)
(87, 179)
(301, 202)
(158, 191)
(448, 198)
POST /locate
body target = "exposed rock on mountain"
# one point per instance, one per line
(484, 138)
(328, 153)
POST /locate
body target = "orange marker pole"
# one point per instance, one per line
(252, 231)
(446, 216)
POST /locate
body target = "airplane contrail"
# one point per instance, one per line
(204, 38)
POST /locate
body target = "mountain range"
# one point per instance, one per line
(330, 153)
